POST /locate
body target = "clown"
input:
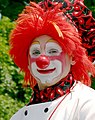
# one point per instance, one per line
(48, 62)
(46, 45)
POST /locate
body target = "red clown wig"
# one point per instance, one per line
(34, 22)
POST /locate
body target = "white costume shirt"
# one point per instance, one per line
(79, 104)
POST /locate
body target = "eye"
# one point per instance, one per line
(36, 52)
(53, 52)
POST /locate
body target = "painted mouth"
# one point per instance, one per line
(46, 71)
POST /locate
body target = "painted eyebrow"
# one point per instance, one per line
(51, 40)
(35, 42)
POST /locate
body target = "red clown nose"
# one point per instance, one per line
(42, 62)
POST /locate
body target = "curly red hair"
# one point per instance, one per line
(34, 22)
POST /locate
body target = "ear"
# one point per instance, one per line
(93, 63)
(28, 67)
(28, 62)
(72, 61)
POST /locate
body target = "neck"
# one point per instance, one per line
(42, 86)
(47, 93)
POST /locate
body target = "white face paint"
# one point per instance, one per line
(59, 62)
(48, 75)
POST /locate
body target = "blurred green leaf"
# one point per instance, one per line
(12, 95)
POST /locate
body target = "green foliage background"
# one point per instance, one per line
(12, 95)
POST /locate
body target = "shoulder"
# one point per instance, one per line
(86, 96)
(19, 114)
(84, 91)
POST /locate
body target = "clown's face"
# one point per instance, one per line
(47, 61)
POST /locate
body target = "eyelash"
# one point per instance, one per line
(53, 51)
(36, 52)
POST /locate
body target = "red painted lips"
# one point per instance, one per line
(46, 71)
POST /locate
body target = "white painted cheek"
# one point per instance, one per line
(50, 77)
(67, 67)
(57, 72)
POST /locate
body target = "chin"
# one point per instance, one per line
(51, 83)
(47, 83)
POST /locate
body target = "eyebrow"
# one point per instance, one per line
(51, 40)
(35, 42)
